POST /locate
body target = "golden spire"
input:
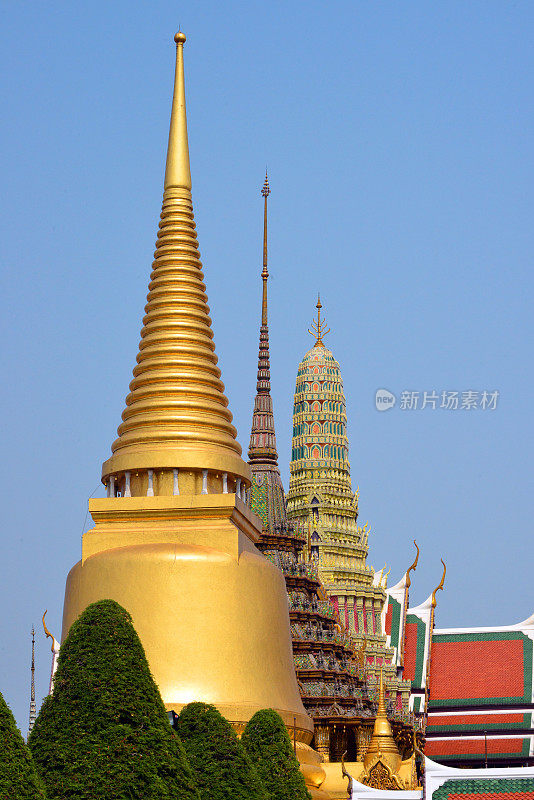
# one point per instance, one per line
(318, 329)
(176, 414)
(177, 170)
(382, 746)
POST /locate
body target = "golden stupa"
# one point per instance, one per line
(382, 747)
(173, 542)
(382, 766)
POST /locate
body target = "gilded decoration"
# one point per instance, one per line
(381, 777)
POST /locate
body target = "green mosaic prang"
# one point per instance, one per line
(501, 786)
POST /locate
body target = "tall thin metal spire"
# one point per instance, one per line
(33, 709)
(266, 497)
(262, 448)
(265, 274)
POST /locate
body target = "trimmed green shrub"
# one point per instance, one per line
(269, 747)
(18, 776)
(220, 764)
(104, 732)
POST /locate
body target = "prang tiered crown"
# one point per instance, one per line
(320, 493)
(321, 500)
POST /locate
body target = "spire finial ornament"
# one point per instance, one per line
(265, 274)
(33, 709)
(177, 170)
(319, 329)
(265, 188)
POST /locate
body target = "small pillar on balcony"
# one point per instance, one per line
(175, 487)
(150, 490)
(127, 490)
(204, 481)
(225, 483)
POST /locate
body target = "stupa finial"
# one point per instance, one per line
(177, 170)
(266, 191)
(319, 329)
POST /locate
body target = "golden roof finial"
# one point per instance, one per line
(318, 329)
(47, 632)
(177, 170)
(414, 567)
(441, 584)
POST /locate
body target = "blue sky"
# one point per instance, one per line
(399, 141)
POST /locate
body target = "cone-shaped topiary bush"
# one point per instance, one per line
(104, 732)
(220, 764)
(18, 776)
(269, 747)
